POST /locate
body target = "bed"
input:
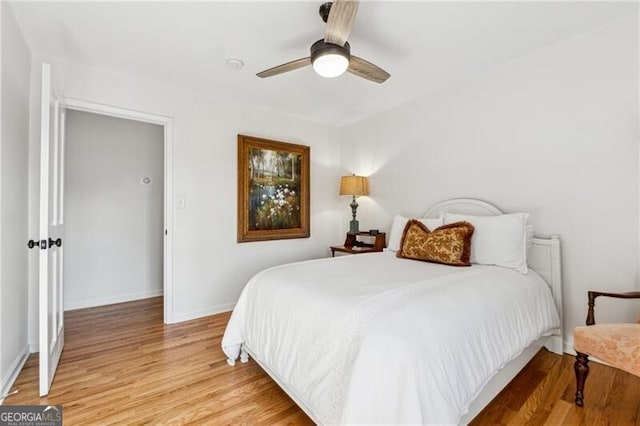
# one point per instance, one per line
(377, 339)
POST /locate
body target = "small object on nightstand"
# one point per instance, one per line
(373, 232)
(353, 245)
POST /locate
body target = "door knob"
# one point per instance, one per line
(33, 244)
(57, 242)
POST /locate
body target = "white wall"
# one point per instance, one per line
(114, 224)
(14, 137)
(554, 133)
(210, 268)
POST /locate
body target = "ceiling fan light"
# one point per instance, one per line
(330, 65)
(330, 60)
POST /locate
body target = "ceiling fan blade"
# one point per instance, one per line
(365, 69)
(340, 21)
(289, 66)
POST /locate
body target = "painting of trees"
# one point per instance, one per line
(276, 183)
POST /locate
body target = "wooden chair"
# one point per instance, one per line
(615, 344)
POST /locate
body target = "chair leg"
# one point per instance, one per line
(581, 368)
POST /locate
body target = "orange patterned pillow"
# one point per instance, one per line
(449, 244)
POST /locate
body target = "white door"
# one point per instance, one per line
(51, 229)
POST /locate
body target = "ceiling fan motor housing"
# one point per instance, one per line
(325, 8)
(321, 48)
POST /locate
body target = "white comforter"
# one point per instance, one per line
(376, 339)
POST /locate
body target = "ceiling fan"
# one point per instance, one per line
(331, 56)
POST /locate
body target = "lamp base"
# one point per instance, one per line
(353, 227)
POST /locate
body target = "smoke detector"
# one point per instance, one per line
(235, 64)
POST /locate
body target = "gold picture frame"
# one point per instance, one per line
(273, 190)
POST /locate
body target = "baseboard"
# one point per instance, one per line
(555, 344)
(199, 313)
(101, 301)
(568, 346)
(14, 370)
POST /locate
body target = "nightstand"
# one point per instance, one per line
(354, 243)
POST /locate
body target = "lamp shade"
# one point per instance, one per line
(354, 185)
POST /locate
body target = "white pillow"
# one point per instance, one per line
(497, 240)
(399, 223)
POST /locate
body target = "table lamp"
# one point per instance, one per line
(355, 186)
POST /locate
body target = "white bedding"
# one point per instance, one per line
(376, 339)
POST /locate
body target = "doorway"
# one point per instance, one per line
(118, 206)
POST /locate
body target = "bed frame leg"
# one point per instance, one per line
(244, 355)
(581, 368)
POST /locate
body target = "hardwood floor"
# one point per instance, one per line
(121, 365)
(543, 393)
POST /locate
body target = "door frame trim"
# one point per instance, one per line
(167, 123)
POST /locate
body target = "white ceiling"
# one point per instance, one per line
(424, 45)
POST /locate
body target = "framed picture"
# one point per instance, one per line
(273, 190)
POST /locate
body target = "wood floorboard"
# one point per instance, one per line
(122, 365)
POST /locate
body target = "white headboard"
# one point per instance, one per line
(544, 256)
(468, 206)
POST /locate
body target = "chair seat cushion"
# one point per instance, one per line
(615, 344)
